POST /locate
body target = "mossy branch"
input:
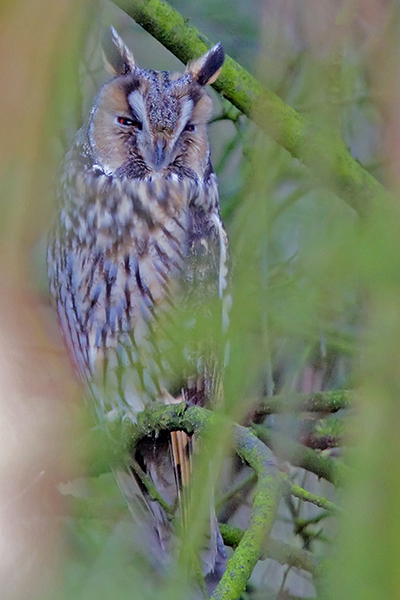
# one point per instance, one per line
(325, 154)
(271, 484)
(300, 456)
(302, 494)
(325, 402)
(270, 487)
(108, 447)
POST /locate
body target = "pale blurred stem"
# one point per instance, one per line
(236, 490)
(326, 155)
(300, 456)
(283, 553)
(325, 402)
(229, 148)
(151, 489)
(301, 190)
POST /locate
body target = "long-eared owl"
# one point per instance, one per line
(138, 242)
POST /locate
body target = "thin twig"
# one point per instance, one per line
(282, 552)
(320, 501)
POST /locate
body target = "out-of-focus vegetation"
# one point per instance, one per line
(316, 305)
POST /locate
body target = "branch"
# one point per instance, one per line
(271, 485)
(302, 494)
(326, 402)
(270, 488)
(283, 553)
(326, 155)
(104, 449)
(303, 457)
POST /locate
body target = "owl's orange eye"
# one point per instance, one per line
(126, 122)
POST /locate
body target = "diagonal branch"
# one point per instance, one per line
(306, 496)
(303, 457)
(326, 155)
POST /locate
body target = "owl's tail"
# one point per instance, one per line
(166, 462)
(213, 556)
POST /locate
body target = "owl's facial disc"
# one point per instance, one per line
(164, 118)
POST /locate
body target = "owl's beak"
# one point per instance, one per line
(160, 154)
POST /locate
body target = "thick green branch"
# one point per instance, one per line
(270, 487)
(103, 448)
(326, 155)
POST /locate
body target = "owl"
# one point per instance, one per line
(138, 258)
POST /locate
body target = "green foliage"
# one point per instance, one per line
(313, 372)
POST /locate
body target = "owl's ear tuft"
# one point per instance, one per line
(206, 69)
(118, 59)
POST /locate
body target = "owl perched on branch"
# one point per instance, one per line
(138, 258)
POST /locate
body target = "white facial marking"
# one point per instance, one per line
(136, 102)
(184, 118)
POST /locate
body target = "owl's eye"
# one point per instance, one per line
(126, 122)
(190, 127)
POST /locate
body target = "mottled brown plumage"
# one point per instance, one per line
(139, 251)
